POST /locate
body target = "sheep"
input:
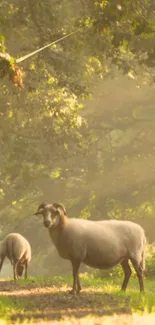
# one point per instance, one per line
(99, 244)
(18, 250)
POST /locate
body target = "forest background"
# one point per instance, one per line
(82, 130)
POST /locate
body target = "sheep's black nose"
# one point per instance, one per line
(47, 223)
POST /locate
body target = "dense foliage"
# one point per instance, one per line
(95, 156)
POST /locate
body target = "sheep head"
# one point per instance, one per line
(52, 214)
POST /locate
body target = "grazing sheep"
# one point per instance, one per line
(18, 250)
(99, 244)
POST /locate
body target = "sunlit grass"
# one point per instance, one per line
(8, 307)
(104, 293)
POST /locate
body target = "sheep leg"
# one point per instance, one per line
(127, 274)
(75, 266)
(15, 271)
(78, 284)
(26, 265)
(1, 263)
(139, 273)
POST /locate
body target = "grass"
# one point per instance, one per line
(7, 308)
(47, 299)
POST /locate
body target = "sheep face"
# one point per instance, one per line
(50, 214)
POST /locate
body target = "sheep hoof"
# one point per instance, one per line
(123, 290)
(72, 292)
(78, 291)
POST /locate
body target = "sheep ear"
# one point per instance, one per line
(60, 206)
(38, 212)
(40, 209)
(59, 212)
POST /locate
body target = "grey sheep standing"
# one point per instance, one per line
(18, 250)
(99, 244)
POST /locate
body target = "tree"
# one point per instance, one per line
(49, 151)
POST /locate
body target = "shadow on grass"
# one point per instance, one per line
(58, 305)
(50, 300)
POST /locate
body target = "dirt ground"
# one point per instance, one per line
(54, 305)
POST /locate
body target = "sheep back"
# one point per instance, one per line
(100, 244)
(16, 247)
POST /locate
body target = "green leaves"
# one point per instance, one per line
(52, 146)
